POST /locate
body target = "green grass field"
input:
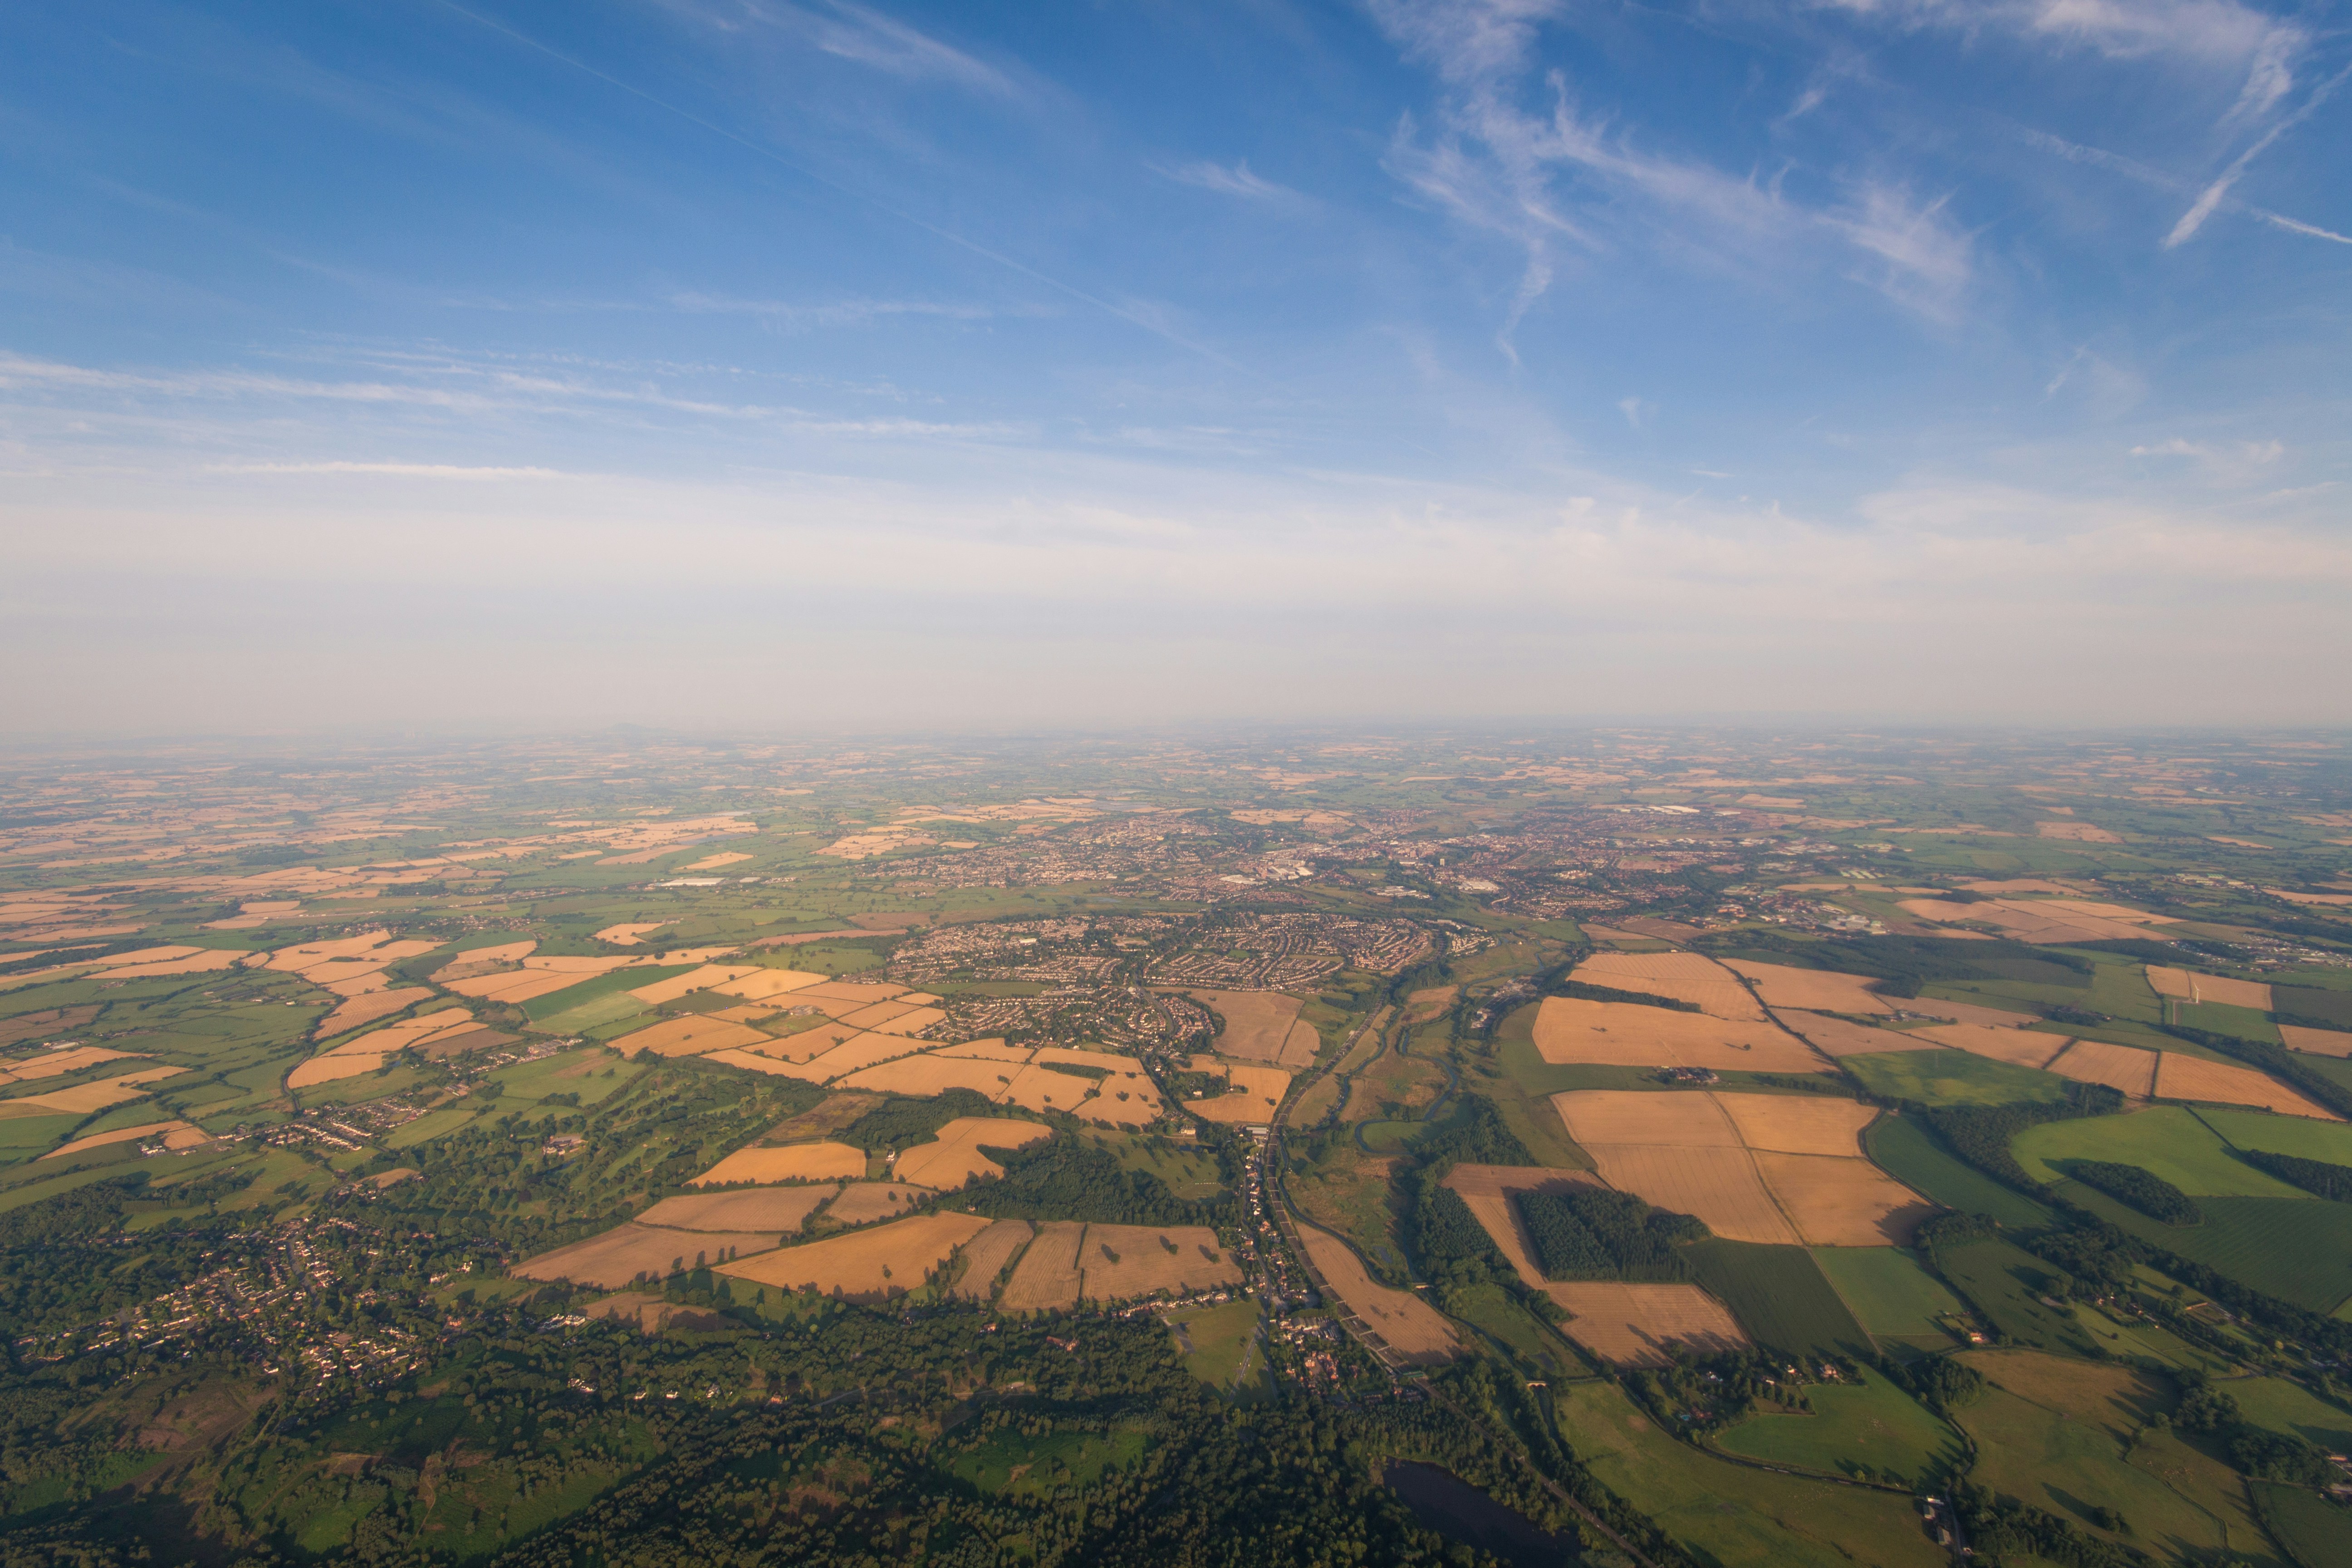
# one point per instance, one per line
(1533, 1349)
(595, 1014)
(2296, 1136)
(1873, 1431)
(1890, 1293)
(618, 982)
(2218, 1018)
(1008, 1462)
(1779, 1296)
(1728, 1515)
(2005, 1284)
(2167, 1141)
(2285, 1407)
(2059, 1435)
(1909, 1153)
(591, 1072)
(1189, 1172)
(2298, 1249)
(2317, 1531)
(1220, 1346)
(1951, 1077)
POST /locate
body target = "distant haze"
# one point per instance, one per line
(703, 364)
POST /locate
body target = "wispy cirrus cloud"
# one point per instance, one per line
(1237, 181)
(857, 33)
(1564, 176)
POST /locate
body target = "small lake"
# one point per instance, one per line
(1445, 1502)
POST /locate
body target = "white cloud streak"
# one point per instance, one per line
(1237, 181)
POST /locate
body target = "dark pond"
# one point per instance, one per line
(1445, 1502)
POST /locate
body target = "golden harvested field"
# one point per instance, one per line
(1783, 1169)
(2188, 985)
(52, 1064)
(197, 963)
(2119, 1067)
(1722, 1186)
(1485, 1191)
(912, 1022)
(1570, 1030)
(1682, 1117)
(1845, 1037)
(1120, 1262)
(100, 1093)
(861, 1052)
(620, 1254)
(1640, 1325)
(1971, 1013)
(804, 1045)
(795, 1162)
(2318, 1042)
(861, 991)
(1685, 977)
(2180, 1077)
(1042, 1089)
(954, 1155)
(2047, 921)
(1813, 990)
(2022, 1048)
(1798, 1124)
(693, 980)
(332, 1069)
(762, 983)
(1251, 1092)
(1257, 1022)
(987, 1255)
(366, 1009)
(869, 1265)
(777, 1210)
(690, 1037)
(629, 935)
(1411, 1329)
(1842, 1203)
(712, 862)
(774, 1066)
(1047, 1274)
(867, 1203)
(876, 1014)
(987, 1050)
(933, 1072)
(176, 1136)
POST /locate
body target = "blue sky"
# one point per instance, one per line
(748, 362)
